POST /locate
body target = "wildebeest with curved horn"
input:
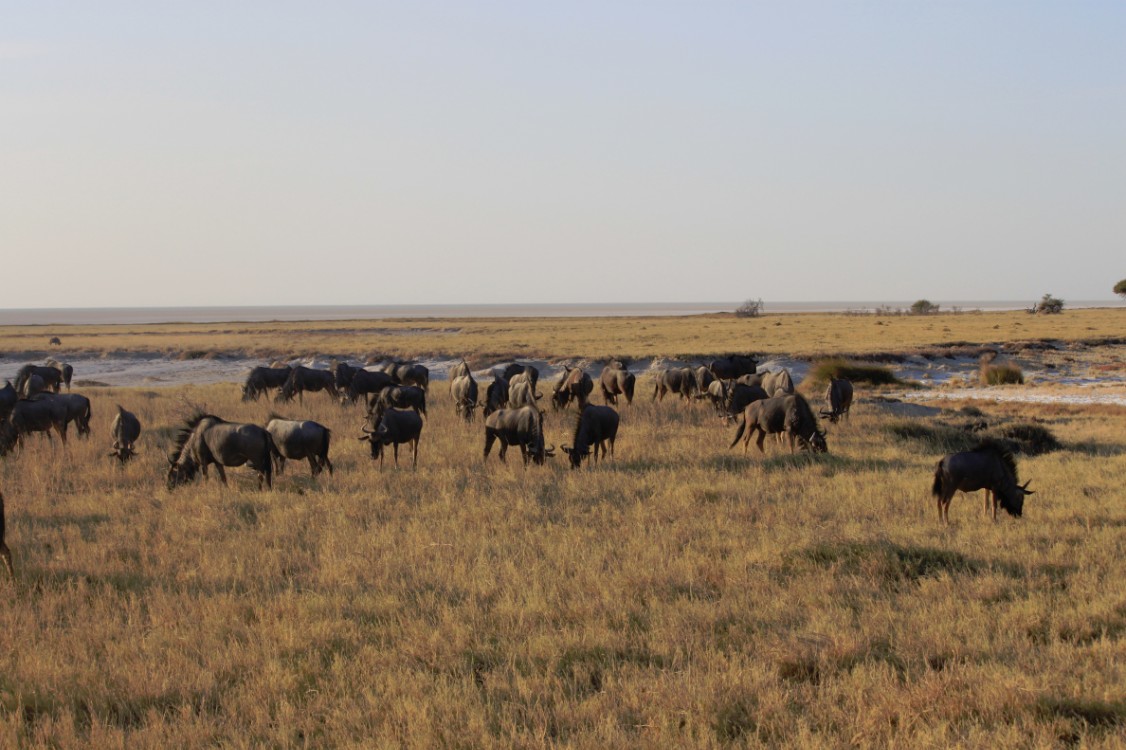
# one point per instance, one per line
(205, 439)
(8, 399)
(594, 428)
(522, 427)
(615, 381)
(839, 398)
(496, 395)
(126, 428)
(680, 380)
(732, 366)
(463, 389)
(32, 415)
(5, 553)
(573, 385)
(392, 427)
(408, 373)
(263, 379)
(990, 467)
(297, 439)
(400, 397)
(303, 379)
(782, 414)
(52, 376)
(778, 383)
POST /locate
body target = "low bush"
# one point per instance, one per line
(855, 372)
(1006, 373)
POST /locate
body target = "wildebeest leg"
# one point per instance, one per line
(503, 450)
(6, 556)
(490, 438)
(758, 442)
(611, 447)
(325, 463)
(396, 454)
(414, 444)
(222, 473)
(987, 502)
(314, 467)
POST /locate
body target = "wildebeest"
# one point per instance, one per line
(126, 428)
(343, 374)
(990, 467)
(393, 427)
(521, 392)
(400, 397)
(262, 379)
(716, 393)
(680, 380)
(33, 385)
(838, 396)
(740, 396)
(77, 409)
(522, 427)
(8, 399)
(303, 379)
(32, 415)
(461, 369)
(574, 384)
(704, 378)
(615, 381)
(778, 383)
(528, 371)
(368, 383)
(496, 395)
(751, 379)
(52, 376)
(5, 553)
(206, 439)
(55, 341)
(732, 366)
(594, 428)
(463, 389)
(782, 414)
(408, 373)
(297, 439)
(68, 374)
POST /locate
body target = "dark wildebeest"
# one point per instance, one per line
(739, 397)
(393, 427)
(68, 374)
(496, 395)
(681, 380)
(298, 439)
(55, 341)
(521, 392)
(32, 415)
(778, 383)
(52, 376)
(463, 389)
(400, 397)
(732, 366)
(990, 467)
(839, 398)
(595, 426)
(343, 374)
(303, 379)
(33, 385)
(408, 373)
(262, 379)
(522, 427)
(8, 399)
(574, 384)
(615, 381)
(529, 371)
(77, 409)
(754, 379)
(704, 378)
(126, 428)
(782, 414)
(5, 553)
(206, 439)
(368, 383)
(716, 393)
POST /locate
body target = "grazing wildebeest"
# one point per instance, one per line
(521, 392)
(732, 366)
(531, 372)
(52, 377)
(778, 383)
(303, 379)
(839, 398)
(8, 399)
(206, 439)
(704, 378)
(368, 383)
(393, 427)
(77, 409)
(782, 414)
(400, 397)
(5, 553)
(32, 415)
(55, 341)
(262, 379)
(496, 395)
(681, 380)
(595, 427)
(990, 467)
(716, 393)
(463, 389)
(408, 373)
(615, 381)
(574, 384)
(298, 439)
(126, 428)
(522, 427)
(739, 397)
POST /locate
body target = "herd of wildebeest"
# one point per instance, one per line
(395, 396)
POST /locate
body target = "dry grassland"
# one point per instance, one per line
(680, 596)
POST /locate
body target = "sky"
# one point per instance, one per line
(285, 153)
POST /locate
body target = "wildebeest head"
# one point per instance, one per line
(1012, 498)
(181, 471)
(816, 442)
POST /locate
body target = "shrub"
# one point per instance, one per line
(1120, 288)
(855, 372)
(752, 308)
(1030, 439)
(935, 437)
(1002, 374)
(923, 307)
(1049, 305)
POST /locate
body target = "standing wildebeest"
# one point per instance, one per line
(752, 379)
(529, 371)
(496, 395)
(681, 380)
(77, 409)
(615, 381)
(463, 389)
(521, 392)
(731, 367)
(298, 439)
(595, 426)
(262, 379)
(782, 414)
(523, 427)
(206, 439)
(839, 398)
(400, 397)
(33, 385)
(28, 416)
(461, 369)
(573, 384)
(368, 383)
(739, 397)
(5, 553)
(343, 374)
(408, 373)
(52, 377)
(126, 428)
(8, 399)
(64, 368)
(716, 393)
(990, 467)
(393, 427)
(704, 378)
(778, 383)
(303, 379)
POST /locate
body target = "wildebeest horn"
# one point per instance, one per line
(1025, 490)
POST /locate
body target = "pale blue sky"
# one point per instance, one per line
(222, 153)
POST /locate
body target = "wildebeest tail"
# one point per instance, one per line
(740, 431)
(5, 553)
(936, 488)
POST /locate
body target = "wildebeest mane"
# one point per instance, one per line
(1002, 452)
(185, 432)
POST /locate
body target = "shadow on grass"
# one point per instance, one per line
(1095, 448)
(1093, 713)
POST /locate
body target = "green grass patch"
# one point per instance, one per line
(855, 372)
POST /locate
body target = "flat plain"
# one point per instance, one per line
(679, 595)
